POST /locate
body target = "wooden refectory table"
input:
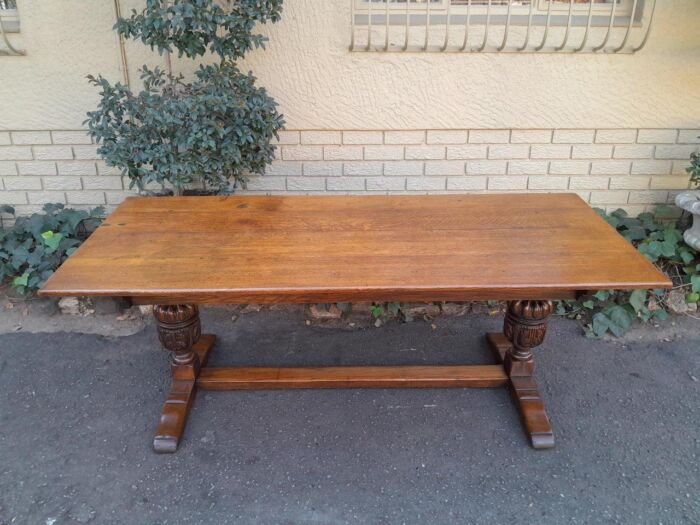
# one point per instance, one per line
(178, 253)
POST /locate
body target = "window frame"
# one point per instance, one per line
(9, 18)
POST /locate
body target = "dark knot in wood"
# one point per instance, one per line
(526, 326)
(179, 329)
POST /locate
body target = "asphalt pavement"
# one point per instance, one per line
(78, 411)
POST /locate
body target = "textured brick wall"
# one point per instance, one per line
(610, 168)
(37, 167)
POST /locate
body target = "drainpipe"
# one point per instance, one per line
(120, 42)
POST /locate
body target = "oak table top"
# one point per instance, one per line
(269, 249)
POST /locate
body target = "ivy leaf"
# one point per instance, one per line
(646, 218)
(21, 281)
(636, 233)
(52, 208)
(600, 325)
(651, 251)
(665, 212)
(668, 248)
(35, 223)
(661, 315)
(73, 219)
(686, 256)
(638, 300)
(97, 213)
(34, 258)
(588, 304)
(620, 319)
(673, 235)
(695, 283)
(613, 318)
(51, 240)
(602, 295)
(377, 311)
(689, 270)
(19, 257)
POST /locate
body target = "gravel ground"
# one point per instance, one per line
(77, 414)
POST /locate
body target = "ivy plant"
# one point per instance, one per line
(215, 127)
(382, 311)
(35, 246)
(660, 240)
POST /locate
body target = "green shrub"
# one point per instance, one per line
(215, 128)
(195, 27)
(35, 246)
(661, 241)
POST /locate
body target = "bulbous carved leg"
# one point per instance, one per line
(179, 331)
(525, 328)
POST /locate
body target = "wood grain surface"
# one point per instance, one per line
(353, 377)
(268, 249)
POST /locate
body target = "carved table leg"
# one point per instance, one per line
(525, 328)
(179, 331)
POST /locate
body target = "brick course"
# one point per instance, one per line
(631, 168)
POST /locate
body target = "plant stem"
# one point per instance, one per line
(169, 64)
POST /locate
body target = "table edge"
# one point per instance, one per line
(375, 294)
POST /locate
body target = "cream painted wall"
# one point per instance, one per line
(321, 85)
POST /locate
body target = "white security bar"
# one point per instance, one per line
(501, 26)
(9, 23)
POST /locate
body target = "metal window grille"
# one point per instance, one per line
(508, 26)
(9, 23)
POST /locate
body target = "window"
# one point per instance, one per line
(9, 23)
(501, 25)
(8, 16)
